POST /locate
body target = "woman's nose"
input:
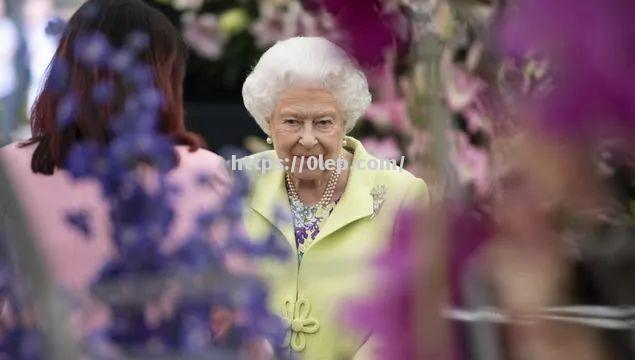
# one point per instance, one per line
(308, 139)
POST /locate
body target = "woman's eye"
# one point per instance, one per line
(325, 122)
(290, 121)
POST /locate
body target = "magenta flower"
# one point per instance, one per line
(591, 47)
(390, 314)
(370, 29)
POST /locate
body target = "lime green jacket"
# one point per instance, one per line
(336, 268)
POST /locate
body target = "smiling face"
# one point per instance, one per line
(307, 122)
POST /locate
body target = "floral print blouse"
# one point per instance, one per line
(307, 221)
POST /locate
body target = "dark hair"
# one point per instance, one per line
(164, 54)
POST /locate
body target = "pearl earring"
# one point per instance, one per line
(269, 141)
(344, 142)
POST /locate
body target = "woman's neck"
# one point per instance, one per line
(310, 191)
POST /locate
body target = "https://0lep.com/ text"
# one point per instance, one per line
(311, 163)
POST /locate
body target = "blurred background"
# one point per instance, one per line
(518, 114)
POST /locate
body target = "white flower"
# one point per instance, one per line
(202, 34)
(282, 22)
(187, 4)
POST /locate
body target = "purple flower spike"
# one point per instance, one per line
(55, 27)
(103, 92)
(80, 220)
(67, 110)
(137, 41)
(142, 76)
(92, 49)
(59, 75)
(82, 160)
(151, 99)
(122, 60)
(205, 179)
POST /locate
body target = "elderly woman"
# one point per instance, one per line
(307, 94)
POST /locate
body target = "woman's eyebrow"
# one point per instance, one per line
(293, 113)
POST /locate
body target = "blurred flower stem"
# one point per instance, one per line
(429, 112)
(31, 266)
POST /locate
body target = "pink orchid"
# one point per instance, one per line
(203, 36)
(382, 148)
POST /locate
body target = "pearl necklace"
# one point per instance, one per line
(327, 196)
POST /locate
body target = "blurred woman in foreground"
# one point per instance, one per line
(118, 69)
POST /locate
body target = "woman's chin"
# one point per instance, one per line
(308, 175)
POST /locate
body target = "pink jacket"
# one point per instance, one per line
(75, 260)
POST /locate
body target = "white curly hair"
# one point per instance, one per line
(305, 60)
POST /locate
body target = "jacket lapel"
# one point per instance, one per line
(270, 199)
(356, 202)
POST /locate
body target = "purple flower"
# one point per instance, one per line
(154, 149)
(206, 219)
(314, 229)
(240, 186)
(122, 60)
(300, 235)
(141, 216)
(80, 220)
(197, 254)
(141, 76)
(84, 160)
(67, 110)
(92, 49)
(205, 179)
(55, 26)
(59, 75)
(151, 99)
(260, 321)
(103, 92)
(273, 246)
(137, 41)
